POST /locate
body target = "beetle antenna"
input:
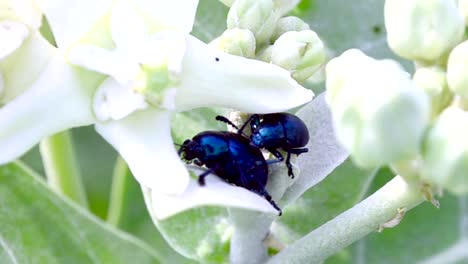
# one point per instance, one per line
(227, 121)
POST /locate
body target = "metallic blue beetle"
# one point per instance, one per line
(231, 157)
(276, 131)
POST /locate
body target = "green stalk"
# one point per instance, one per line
(366, 217)
(120, 185)
(61, 167)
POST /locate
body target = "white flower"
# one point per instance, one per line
(23, 51)
(138, 64)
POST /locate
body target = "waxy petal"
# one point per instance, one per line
(128, 28)
(144, 141)
(115, 101)
(24, 66)
(58, 100)
(25, 11)
(214, 78)
(216, 192)
(70, 20)
(104, 61)
(12, 35)
(164, 15)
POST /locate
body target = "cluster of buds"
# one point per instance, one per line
(258, 30)
(417, 125)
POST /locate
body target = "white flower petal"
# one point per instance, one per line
(115, 101)
(23, 67)
(12, 35)
(164, 47)
(104, 61)
(163, 14)
(128, 28)
(72, 19)
(58, 100)
(144, 141)
(28, 12)
(214, 78)
(216, 192)
(325, 152)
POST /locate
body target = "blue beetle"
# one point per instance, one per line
(276, 131)
(231, 157)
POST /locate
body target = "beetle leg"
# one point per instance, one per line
(201, 177)
(289, 165)
(298, 151)
(267, 197)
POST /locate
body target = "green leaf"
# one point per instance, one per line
(426, 234)
(339, 191)
(37, 226)
(210, 20)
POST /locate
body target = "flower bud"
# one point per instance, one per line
(284, 6)
(265, 54)
(302, 53)
(445, 152)
(378, 112)
(240, 42)
(433, 81)
(290, 23)
(423, 30)
(258, 16)
(457, 68)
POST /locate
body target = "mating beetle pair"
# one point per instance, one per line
(237, 158)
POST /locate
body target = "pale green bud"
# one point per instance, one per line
(240, 42)
(423, 29)
(433, 81)
(302, 53)
(290, 23)
(258, 16)
(457, 69)
(379, 114)
(265, 54)
(445, 152)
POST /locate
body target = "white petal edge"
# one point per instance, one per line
(166, 47)
(325, 152)
(72, 19)
(214, 78)
(216, 192)
(58, 100)
(144, 141)
(101, 60)
(24, 66)
(115, 101)
(12, 35)
(163, 15)
(28, 11)
(128, 28)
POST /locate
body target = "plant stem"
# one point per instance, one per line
(119, 188)
(352, 225)
(250, 229)
(61, 167)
